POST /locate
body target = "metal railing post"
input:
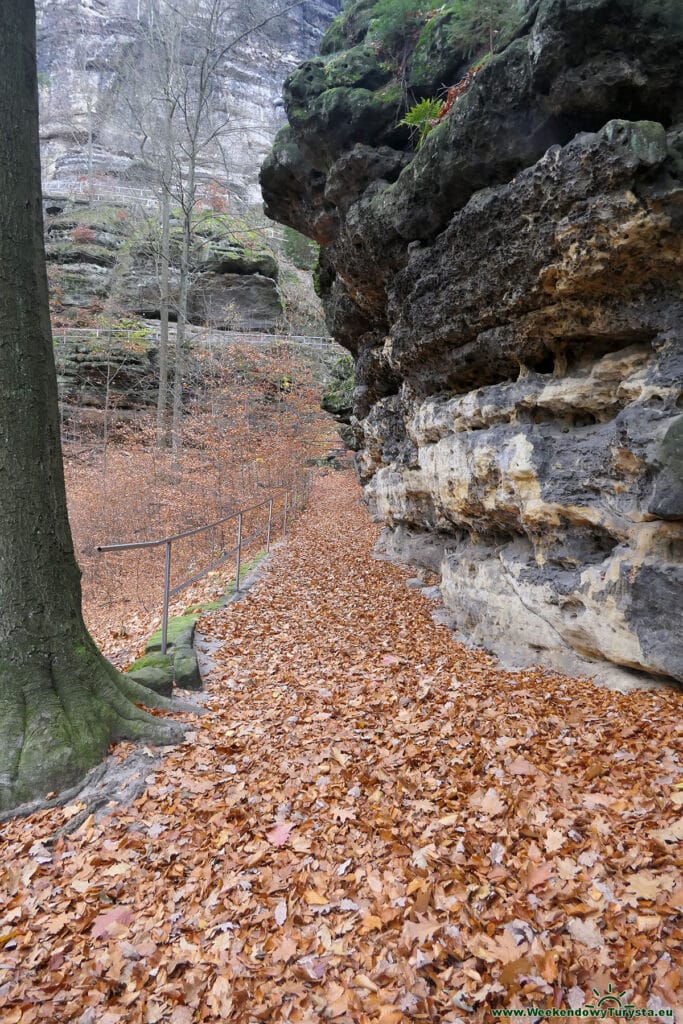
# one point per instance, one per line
(270, 524)
(284, 522)
(239, 552)
(167, 589)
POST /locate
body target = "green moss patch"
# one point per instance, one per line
(155, 679)
(155, 659)
(178, 628)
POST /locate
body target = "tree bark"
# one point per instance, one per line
(61, 702)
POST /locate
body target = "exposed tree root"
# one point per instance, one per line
(59, 712)
(65, 797)
(73, 824)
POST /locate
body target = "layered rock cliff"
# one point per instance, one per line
(105, 257)
(85, 48)
(513, 295)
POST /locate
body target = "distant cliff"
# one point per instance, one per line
(83, 46)
(513, 295)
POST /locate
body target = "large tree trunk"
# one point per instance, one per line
(61, 702)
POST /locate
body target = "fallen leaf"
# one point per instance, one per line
(648, 923)
(538, 874)
(420, 930)
(674, 834)
(586, 932)
(491, 803)
(502, 948)
(279, 836)
(554, 840)
(315, 899)
(513, 969)
(286, 949)
(220, 999)
(112, 923)
(520, 766)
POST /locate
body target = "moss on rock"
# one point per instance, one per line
(185, 669)
(154, 679)
(337, 397)
(349, 28)
(440, 55)
(337, 118)
(180, 632)
(358, 68)
(154, 659)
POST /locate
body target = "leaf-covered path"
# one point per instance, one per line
(371, 824)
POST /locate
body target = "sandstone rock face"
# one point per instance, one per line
(513, 295)
(84, 47)
(101, 257)
(97, 370)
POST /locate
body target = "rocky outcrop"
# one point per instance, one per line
(337, 399)
(83, 245)
(105, 256)
(512, 293)
(232, 287)
(97, 369)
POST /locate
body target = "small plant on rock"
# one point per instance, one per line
(484, 24)
(422, 117)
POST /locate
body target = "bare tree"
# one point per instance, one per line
(179, 106)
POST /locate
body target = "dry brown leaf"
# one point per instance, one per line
(315, 899)
(586, 932)
(538, 874)
(554, 840)
(520, 766)
(491, 803)
(219, 999)
(285, 950)
(279, 836)
(112, 923)
(671, 834)
(419, 931)
(648, 923)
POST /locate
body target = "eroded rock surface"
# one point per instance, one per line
(513, 296)
(106, 256)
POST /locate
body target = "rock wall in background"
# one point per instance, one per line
(513, 296)
(103, 258)
(83, 50)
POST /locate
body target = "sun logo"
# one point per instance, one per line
(610, 1004)
(610, 997)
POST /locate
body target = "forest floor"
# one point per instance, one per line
(372, 823)
(245, 440)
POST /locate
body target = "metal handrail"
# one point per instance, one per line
(180, 536)
(202, 336)
(167, 543)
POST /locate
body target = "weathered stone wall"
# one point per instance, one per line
(513, 294)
